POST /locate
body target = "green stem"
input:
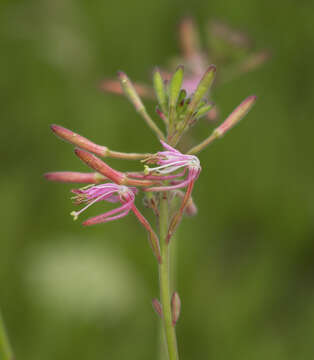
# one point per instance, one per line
(162, 347)
(164, 274)
(5, 348)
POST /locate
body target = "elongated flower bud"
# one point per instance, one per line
(157, 307)
(153, 239)
(75, 177)
(175, 307)
(93, 162)
(190, 208)
(79, 140)
(237, 114)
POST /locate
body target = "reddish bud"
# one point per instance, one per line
(175, 307)
(190, 208)
(157, 307)
(98, 165)
(75, 177)
(153, 239)
(175, 221)
(78, 140)
(237, 114)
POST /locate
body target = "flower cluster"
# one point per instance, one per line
(168, 171)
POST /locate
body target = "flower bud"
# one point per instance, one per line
(78, 140)
(75, 177)
(237, 114)
(157, 307)
(175, 307)
(98, 165)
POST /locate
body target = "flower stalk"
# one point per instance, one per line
(164, 281)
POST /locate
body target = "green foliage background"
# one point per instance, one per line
(245, 263)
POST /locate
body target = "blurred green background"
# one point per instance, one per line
(245, 263)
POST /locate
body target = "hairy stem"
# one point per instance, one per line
(164, 280)
(5, 348)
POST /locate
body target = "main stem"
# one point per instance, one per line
(164, 281)
(5, 348)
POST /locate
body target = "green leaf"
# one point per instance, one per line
(160, 91)
(175, 86)
(203, 110)
(202, 88)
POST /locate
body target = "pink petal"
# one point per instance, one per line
(98, 219)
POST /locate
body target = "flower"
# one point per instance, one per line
(105, 192)
(170, 161)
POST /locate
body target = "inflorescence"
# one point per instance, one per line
(168, 171)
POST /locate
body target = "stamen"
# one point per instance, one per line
(76, 214)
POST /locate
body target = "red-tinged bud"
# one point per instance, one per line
(175, 307)
(116, 176)
(98, 165)
(190, 208)
(75, 177)
(157, 307)
(79, 140)
(237, 114)
(175, 221)
(153, 239)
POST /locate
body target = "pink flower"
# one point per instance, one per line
(170, 161)
(105, 192)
